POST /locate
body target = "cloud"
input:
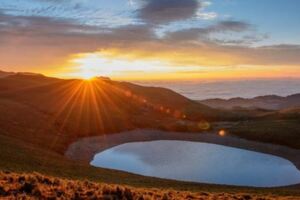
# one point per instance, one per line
(236, 26)
(248, 39)
(166, 11)
(196, 34)
(46, 42)
(42, 42)
(88, 12)
(207, 15)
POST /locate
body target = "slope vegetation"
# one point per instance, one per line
(36, 108)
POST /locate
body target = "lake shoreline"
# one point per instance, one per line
(83, 150)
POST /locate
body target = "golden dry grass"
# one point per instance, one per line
(37, 186)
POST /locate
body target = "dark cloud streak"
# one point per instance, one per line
(194, 34)
(166, 11)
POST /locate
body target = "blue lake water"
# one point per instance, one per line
(199, 162)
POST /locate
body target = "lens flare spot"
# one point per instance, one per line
(204, 125)
(222, 133)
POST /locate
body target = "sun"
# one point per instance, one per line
(87, 75)
(89, 66)
(87, 71)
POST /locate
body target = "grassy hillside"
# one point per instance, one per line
(283, 132)
(34, 106)
(40, 116)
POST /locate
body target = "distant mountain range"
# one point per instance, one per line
(270, 102)
(4, 74)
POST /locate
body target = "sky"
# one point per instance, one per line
(152, 39)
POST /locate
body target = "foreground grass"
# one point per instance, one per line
(37, 186)
(283, 132)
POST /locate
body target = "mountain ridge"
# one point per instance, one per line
(271, 102)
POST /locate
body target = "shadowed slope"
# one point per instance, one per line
(35, 107)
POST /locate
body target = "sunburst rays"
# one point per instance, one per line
(82, 108)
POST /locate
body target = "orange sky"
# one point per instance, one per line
(94, 64)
